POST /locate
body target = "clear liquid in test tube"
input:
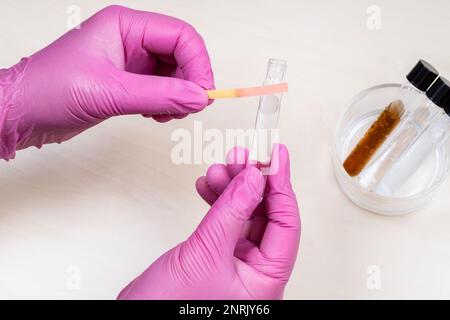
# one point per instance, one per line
(266, 133)
(409, 164)
(418, 113)
(399, 143)
(427, 140)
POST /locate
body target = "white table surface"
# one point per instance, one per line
(101, 207)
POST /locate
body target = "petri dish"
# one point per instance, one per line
(359, 114)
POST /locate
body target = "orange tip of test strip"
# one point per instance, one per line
(248, 92)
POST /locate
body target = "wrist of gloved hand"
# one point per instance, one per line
(13, 128)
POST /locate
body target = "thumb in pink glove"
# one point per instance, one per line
(120, 61)
(218, 261)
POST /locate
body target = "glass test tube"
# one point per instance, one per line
(414, 119)
(267, 117)
(374, 138)
(414, 123)
(427, 141)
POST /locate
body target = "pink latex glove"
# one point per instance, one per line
(223, 259)
(120, 62)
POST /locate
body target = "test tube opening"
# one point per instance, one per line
(276, 70)
(266, 133)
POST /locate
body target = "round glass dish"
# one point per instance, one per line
(359, 114)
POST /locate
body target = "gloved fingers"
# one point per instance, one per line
(162, 119)
(220, 229)
(236, 160)
(167, 36)
(205, 191)
(180, 75)
(130, 93)
(246, 250)
(167, 59)
(181, 116)
(282, 234)
(165, 70)
(218, 178)
(168, 67)
(213, 184)
(257, 227)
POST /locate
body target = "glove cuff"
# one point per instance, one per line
(11, 109)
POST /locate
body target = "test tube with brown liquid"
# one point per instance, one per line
(374, 138)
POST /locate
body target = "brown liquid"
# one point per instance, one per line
(374, 138)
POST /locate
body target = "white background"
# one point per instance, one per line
(110, 201)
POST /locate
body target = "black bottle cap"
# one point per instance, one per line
(422, 75)
(439, 93)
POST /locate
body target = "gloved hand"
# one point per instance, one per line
(120, 62)
(221, 259)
